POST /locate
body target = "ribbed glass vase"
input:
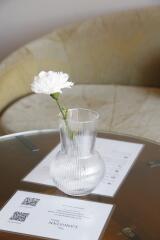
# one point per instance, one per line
(78, 168)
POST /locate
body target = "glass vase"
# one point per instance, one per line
(77, 168)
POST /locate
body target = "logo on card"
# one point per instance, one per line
(62, 225)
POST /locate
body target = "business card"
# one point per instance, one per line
(54, 217)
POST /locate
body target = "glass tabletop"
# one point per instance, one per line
(136, 215)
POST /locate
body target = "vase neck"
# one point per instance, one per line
(81, 145)
(78, 132)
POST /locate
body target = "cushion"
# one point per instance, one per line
(127, 110)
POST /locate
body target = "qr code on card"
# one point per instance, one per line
(30, 201)
(19, 216)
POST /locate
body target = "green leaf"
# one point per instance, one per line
(55, 95)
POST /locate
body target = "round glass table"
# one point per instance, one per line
(137, 212)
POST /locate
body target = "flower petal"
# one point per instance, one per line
(50, 82)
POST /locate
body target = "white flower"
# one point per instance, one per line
(50, 82)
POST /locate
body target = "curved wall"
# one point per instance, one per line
(24, 20)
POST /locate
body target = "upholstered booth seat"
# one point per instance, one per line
(123, 109)
(114, 61)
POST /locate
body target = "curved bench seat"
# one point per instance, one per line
(123, 109)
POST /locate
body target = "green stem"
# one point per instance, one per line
(64, 116)
(59, 106)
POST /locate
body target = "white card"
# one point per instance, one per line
(54, 217)
(119, 157)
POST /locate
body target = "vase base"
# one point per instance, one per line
(74, 192)
(79, 193)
